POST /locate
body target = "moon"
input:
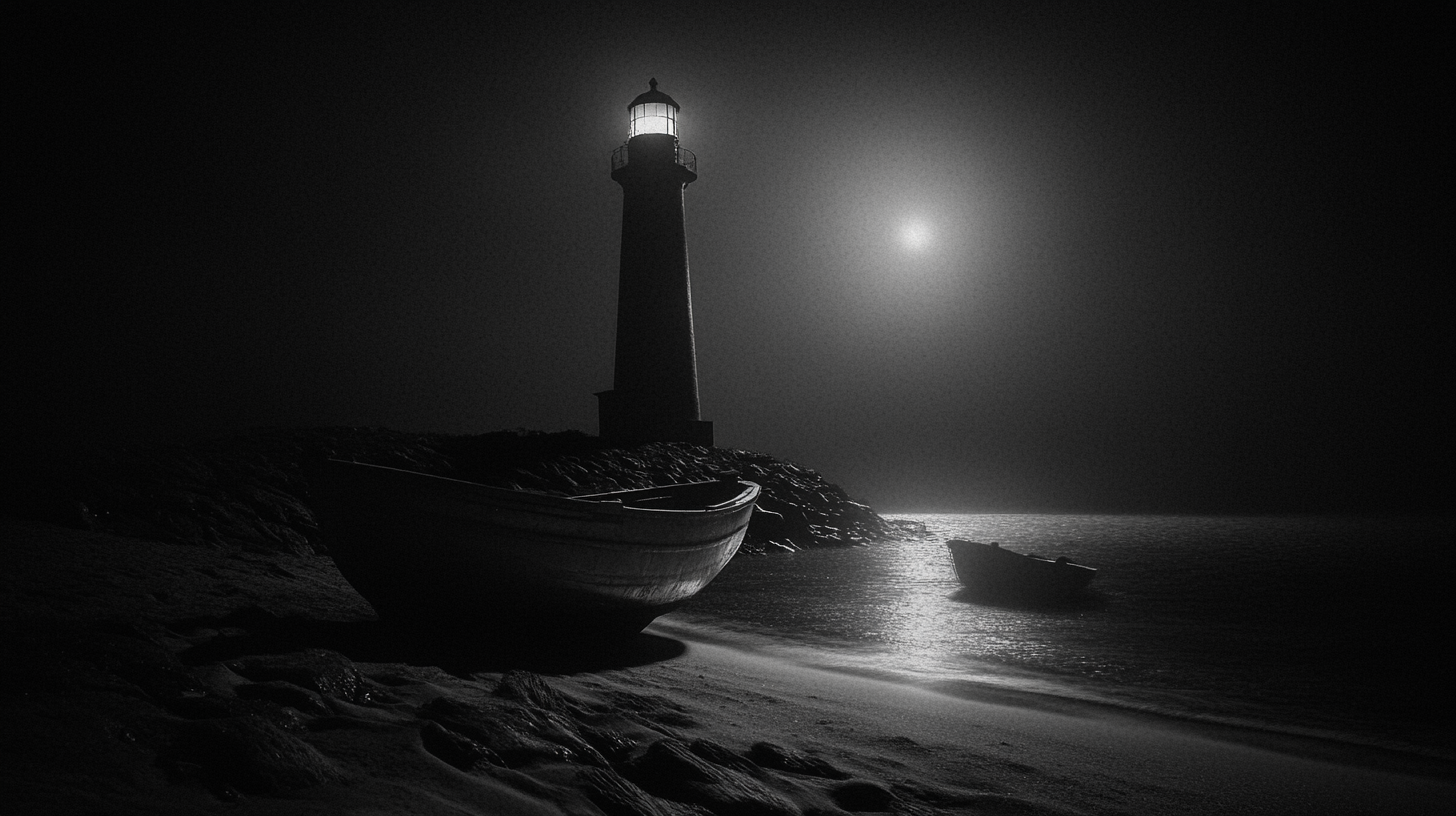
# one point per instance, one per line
(915, 235)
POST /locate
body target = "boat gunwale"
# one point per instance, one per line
(592, 503)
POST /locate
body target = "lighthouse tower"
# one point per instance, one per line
(654, 396)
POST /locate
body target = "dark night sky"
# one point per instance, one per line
(1179, 260)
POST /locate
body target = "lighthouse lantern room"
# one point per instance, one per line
(653, 112)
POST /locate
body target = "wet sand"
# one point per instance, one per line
(145, 677)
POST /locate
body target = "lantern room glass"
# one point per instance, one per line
(653, 117)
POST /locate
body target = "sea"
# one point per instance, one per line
(1328, 628)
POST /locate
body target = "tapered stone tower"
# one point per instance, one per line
(654, 396)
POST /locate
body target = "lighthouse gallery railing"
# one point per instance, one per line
(680, 155)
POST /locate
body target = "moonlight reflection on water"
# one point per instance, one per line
(1226, 617)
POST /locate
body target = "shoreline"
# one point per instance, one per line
(1336, 747)
(1290, 773)
(162, 658)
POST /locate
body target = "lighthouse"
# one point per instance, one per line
(654, 395)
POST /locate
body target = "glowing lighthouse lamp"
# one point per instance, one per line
(654, 395)
(653, 116)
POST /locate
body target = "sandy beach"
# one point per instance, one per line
(148, 677)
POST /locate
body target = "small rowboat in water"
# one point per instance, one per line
(508, 563)
(989, 571)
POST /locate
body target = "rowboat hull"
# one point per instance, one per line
(989, 571)
(428, 549)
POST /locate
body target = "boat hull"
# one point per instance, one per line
(427, 549)
(989, 571)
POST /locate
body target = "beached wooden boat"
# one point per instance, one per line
(990, 571)
(428, 549)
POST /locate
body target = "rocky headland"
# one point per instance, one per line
(250, 489)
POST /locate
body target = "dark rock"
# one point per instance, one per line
(529, 689)
(652, 710)
(768, 755)
(285, 693)
(243, 490)
(800, 507)
(457, 749)
(320, 670)
(610, 743)
(63, 656)
(619, 797)
(215, 707)
(150, 666)
(251, 491)
(720, 755)
(251, 754)
(670, 770)
(519, 735)
(861, 795)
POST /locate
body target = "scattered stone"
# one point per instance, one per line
(320, 670)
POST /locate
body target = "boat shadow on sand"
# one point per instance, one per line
(255, 631)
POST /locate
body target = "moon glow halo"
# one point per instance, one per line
(915, 235)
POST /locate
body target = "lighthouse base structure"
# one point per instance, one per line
(635, 419)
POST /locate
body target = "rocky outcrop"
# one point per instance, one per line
(250, 490)
(798, 508)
